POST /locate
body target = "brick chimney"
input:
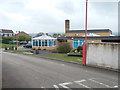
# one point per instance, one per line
(67, 25)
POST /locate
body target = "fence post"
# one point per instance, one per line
(84, 54)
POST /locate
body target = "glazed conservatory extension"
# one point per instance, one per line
(44, 42)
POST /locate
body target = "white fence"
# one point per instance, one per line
(103, 55)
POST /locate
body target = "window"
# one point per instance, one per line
(50, 42)
(34, 43)
(45, 42)
(77, 43)
(39, 42)
(54, 42)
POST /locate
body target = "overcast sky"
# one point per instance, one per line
(46, 16)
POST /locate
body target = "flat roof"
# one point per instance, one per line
(90, 31)
(91, 38)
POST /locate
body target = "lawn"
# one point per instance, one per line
(16, 51)
(8, 45)
(65, 57)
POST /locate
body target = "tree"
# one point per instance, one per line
(7, 39)
(24, 38)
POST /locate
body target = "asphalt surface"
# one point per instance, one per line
(25, 71)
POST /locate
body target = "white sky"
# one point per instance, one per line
(34, 16)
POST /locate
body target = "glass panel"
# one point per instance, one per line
(45, 42)
(81, 42)
(75, 40)
(39, 42)
(55, 43)
(34, 43)
(50, 43)
(76, 44)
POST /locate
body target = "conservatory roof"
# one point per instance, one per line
(44, 37)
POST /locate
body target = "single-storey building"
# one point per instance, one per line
(44, 42)
(74, 37)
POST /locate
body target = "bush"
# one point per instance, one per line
(74, 50)
(7, 39)
(64, 47)
(79, 48)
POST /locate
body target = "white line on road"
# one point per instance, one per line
(100, 83)
(64, 85)
(55, 86)
(79, 82)
(116, 86)
(42, 87)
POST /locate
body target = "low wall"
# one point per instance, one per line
(103, 55)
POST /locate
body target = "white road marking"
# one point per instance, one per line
(105, 80)
(64, 84)
(100, 83)
(79, 82)
(42, 87)
(57, 88)
(116, 86)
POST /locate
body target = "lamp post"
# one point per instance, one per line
(86, 21)
(85, 45)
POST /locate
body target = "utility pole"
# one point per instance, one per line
(86, 21)
(85, 45)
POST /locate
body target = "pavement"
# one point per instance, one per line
(26, 71)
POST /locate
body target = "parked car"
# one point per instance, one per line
(23, 42)
(27, 46)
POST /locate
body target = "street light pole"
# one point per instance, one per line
(85, 45)
(86, 21)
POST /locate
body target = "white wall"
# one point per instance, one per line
(103, 55)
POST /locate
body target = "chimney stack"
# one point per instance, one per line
(67, 25)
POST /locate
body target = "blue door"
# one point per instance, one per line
(77, 43)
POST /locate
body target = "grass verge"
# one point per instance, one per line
(8, 45)
(65, 57)
(16, 51)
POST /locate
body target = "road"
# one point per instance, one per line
(25, 71)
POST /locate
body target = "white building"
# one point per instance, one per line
(6, 33)
(44, 42)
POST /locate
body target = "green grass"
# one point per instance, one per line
(65, 57)
(8, 45)
(16, 51)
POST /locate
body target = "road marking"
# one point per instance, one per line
(57, 88)
(64, 85)
(100, 83)
(79, 82)
(116, 86)
(105, 80)
(42, 87)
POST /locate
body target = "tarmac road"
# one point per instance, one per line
(25, 71)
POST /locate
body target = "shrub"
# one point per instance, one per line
(64, 47)
(74, 50)
(79, 48)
